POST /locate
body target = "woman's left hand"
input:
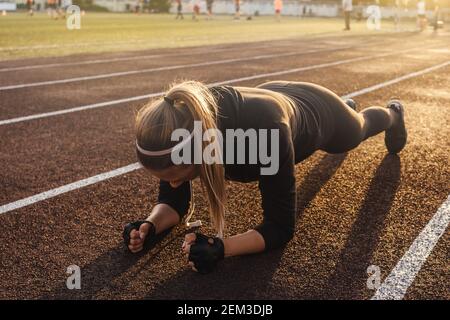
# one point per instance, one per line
(203, 252)
(189, 239)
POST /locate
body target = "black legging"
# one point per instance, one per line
(336, 127)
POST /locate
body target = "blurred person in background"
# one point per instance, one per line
(347, 7)
(421, 15)
(209, 4)
(195, 10)
(139, 6)
(278, 4)
(30, 4)
(52, 10)
(62, 7)
(436, 13)
(397, 11)
(237, 9)
(359, 12)
(304, 11)
(179, 10)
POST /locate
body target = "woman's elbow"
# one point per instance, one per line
(286, 236)
(275, 236)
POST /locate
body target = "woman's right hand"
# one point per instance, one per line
(137, 238)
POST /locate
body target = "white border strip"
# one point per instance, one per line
(402, 276)
(134, 166)
(167, 68)
(157, 94)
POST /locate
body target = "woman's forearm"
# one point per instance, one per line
(163, 217)
(244, 243)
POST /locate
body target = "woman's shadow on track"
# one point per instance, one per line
(349, 279)
(100, 274)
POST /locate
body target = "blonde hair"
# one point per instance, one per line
(155, 123)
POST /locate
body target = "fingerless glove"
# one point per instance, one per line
(135, 226)
(206, 252)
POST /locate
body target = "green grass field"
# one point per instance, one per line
(24, 36)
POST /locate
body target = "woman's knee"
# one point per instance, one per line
(348, 134)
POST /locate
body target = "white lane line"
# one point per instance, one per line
(325, 35)
(393, 81)
(100, 44)
(134, 166)
(64, 45)
(153, 95)
(108, 44)
(69, 187)
(80, 108)
(118, 59)
(79, 63)
(402, 276)
(149, 70)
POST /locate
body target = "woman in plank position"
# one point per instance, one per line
(305, 117)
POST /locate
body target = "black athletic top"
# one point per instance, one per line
(293, 109)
